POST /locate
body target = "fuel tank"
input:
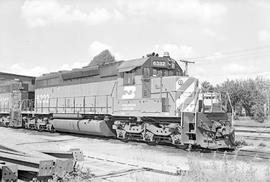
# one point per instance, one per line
(84, 126)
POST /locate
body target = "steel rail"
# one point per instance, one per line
(143, 167)
(42, 165)
(118, 173)
(244, 153)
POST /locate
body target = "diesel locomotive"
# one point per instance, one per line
(147, 99)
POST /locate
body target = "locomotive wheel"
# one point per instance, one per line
(39, 128)
(52, 130)
(152, 143)
(181, 146)
(124, 140)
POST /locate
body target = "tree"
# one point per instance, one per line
(206, 87)
(102, 58)
(233, 88)
(250, 94)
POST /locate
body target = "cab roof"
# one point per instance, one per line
(132, 64)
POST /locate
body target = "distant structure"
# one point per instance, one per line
(102, 58)
(186, 65)
(4, 77)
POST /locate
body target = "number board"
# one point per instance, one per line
(162, 64)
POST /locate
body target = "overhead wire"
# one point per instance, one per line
(238, 53)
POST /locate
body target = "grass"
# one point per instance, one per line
(80, 174)
(262, 144)
(226, 170)
(213, 170)
(201, 169)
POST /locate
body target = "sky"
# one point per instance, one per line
(227, 39)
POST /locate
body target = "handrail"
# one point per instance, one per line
(114, 86)
(46, 104)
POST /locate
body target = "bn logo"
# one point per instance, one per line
(129, 92)
(180, 82)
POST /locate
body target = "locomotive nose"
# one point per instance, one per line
(187, 92)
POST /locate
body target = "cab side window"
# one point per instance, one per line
(159, 73)
(154, 72)
(165, 73)
(146, 72)
(129, 78)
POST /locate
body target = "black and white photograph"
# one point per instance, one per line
(135, 90)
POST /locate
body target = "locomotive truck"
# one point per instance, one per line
(147, 99)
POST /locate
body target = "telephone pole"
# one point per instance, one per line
(186, 66)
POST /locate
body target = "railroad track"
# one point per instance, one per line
(256, 138)
(251, 131)
(247, 155)
(250, 126)
(173, 171)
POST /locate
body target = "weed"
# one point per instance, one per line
(240, 141)
(262, 145)
(212, 170)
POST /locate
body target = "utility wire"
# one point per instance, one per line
(237, 53)
(234, 57)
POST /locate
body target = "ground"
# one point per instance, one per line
(113, 160)
(255, 134)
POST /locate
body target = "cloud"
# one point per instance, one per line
(97, 47)
(218, 70)
(264, 35)
(23, 70)
(235, 68)
(265, 74)
(67, 66)
(40, 13)
(175, 10)
(209, 32)
(176, 51)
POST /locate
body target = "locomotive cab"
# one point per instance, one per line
(164, 105)
(153, 92)
(146, 86)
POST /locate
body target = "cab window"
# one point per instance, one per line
(165, 73)
(129, 78)
(159, 73)
(155, 72)
(146, 72)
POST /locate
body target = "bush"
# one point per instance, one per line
(258, 112)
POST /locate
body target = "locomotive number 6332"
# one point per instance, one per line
(159, 63)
